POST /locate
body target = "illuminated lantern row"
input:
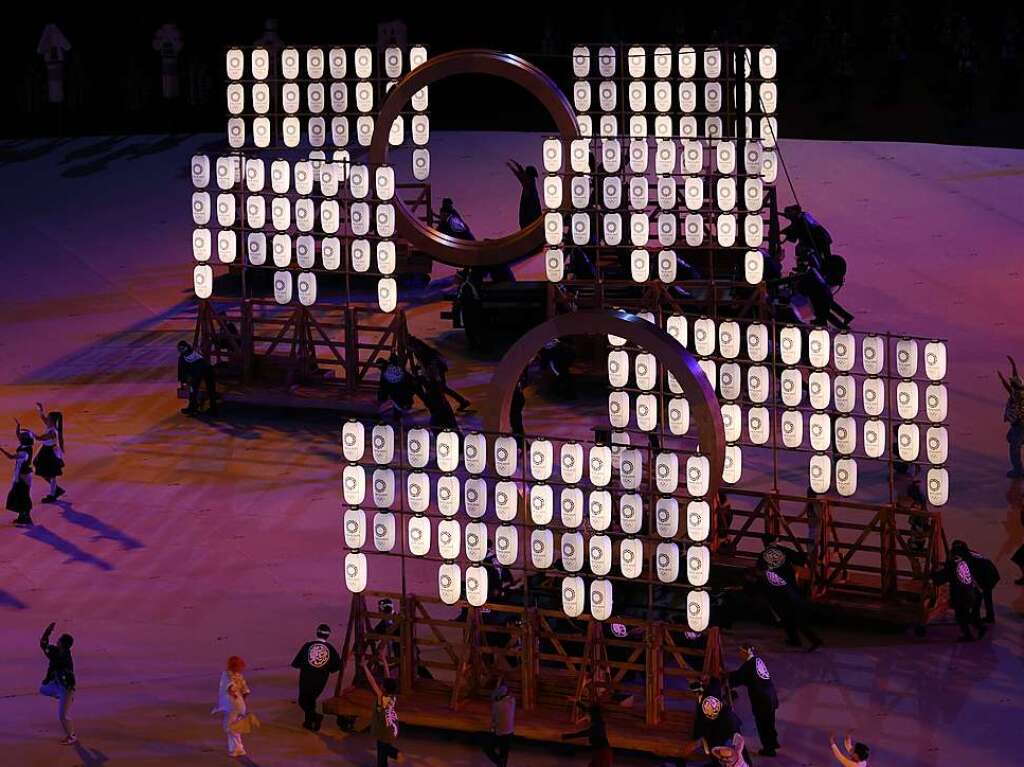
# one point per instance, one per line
(599, 486)
(322, 98)
(641, 91)
(823, 405)
(290, 213)
(656, 201)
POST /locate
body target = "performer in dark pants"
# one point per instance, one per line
(984, 572)
(753, 674)
(49, 461)
(775, 567)
(503, 718)
(316, 661)
(715, 724)
(964, 596)
(194, 370)
(19, 498)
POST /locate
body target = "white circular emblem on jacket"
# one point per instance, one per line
(762, 670)
(318, 655)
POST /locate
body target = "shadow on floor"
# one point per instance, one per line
(64, 546)
(101, 529)
(7, 599)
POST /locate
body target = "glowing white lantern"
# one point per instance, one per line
(506, 455)
(580, 191)
(541, 504)
(540, 459)
(845, 389)
(874, 438)
(553, 226)
(758, 377)
(726, 229)
(731, 422)
(676, 326)
(506, 501)
(698, 521)
(618, 368)
(906, 357)
(791, 383)
(306, 287)
(449, 495)
(571, 505)
(554, 265)
(571, 460)
(573, 594)
(846, 435)
(665, 162)
(693, 193)
(698, 565)
(792, 428)
(698, 610)
(630, 468)
(618, 409)
(580, 61)
(449, 539)
(820, 390)
(844, 351)
(612, 229)
(818, 348)
(873, 396)
(698, 475)
(449, 583)
(732, 468)
(476, 585)
(417, 491)
(757, 342)
(382, 440)
(579, 155)
(704, 336)
(599, 509)
(200, 171)
(729, 339)
(418, 447)
(935, 403)
(383, 488)
(666, 515)
(235, 64)
(908, 438)
(542, 547)
(353, 480)
(873, 354)
(938, 487)
(421, 164)
(667, 562)
(820, 472)
(646, 370)
(572, 552)
(355, 572)
(753, 267)
(476, 498)
(282, 287)
(907, 400)
(729, 380)
(601, 599)
(639, 233)
(552, 151)
(476, 541)
(631, 557)
(600, 463)
(758, 427)
(790, 345)
(474, 452)
(726, 193)
(846, 477)
(646, 412)
(305, 251)
(753, 194)
(201, 208)
(506, 545)
(937, 444)
(935, 360)
(354, 525)
(667, 266)
(384, 531)
(820, 429)
(201, 248)
(600, 547)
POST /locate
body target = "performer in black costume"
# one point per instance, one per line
(19, 498)
(775, 567)
(754, 675)
(715, 723)
(964, 595)
(194, 370)
(316, 661)
(984, 572)
(49, 461)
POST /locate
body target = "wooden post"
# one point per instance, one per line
(528, 664)
(654, 683)
(407, 634)
(351, 348)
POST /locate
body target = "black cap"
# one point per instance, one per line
(323, 631)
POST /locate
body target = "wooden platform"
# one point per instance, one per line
(360, 403)
(428, 706)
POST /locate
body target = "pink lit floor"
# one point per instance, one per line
(182, 542)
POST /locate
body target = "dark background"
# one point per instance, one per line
(940, 72)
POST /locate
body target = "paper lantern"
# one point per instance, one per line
(698, 610)
(571, 505)
(353, 480)
(282, 250)
(820, 429)
(666, 560)
(418, 447)
(907, 400)
(579, 190)
(630, 468)
(571, 458)
(792, 428)
(846, 435)
(631, 514)
(678, 416)
(200, 171)
(421, 164)
(601, 599)
(387, 294)
(476, 585)
(818, 348)
(554, 265)
(845, 390)
(731, 422)
(599, 507)
(758, 425)
(202, 281)
(820, 390)
(846, 477)
(638, 149)
(540, 459)
(449, 539)
(729, 380)
(820, 472)
(579, 155)
(475, 494)
(709, 369)
(732, 468)
(935, 360)
(698, 475)
(552, 152)
(600, 547)
(257, 248)
(666, 515)
(474, 452)
(874, 438)
(227, 172)
(704, 336)
(757, 342)
(647, 412)
(676, 326)
(542, 548)
(791, 383)
(698, 565)
(282, 287)
(600, 463)
(384, 528)
(506, 501)
(725, 193)
(873, 396)
(572, 552)
(417, 491)
(844, 351)
(306, 286)
(201, 208)
(937, 444)
(382, 440)
(541, 504)
(226, 247)
(790, 345)
(506, 545)
(666, 472)
(906, 358)
(201, 244)
(383, 488)
(355, 572)
(573, 592)
(645, 368)
(354, 524)
(753, 267)
(729, 339)
(476, 541)
(698, 520)
(872, 352)
(938, 486)
(935, 403)
(449, 583)
(506, 456)
(753, 194)
(360, 250)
